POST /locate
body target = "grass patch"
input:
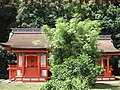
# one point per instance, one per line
(19, 86)
(26, 86)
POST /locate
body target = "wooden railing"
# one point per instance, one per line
(12, 71)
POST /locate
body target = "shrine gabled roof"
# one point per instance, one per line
(34, 38)
(26, 38)
(105, 44)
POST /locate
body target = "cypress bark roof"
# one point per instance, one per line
(26, 38)
(33, 38)
(105, 44)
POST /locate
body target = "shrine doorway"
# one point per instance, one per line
(31, 65)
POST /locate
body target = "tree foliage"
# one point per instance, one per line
(7, 20)
(5, 59)
(36, 15)
(74, 53)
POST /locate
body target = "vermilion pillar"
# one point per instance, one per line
(108, 65)
(38, 65)
(10, 76)
(23, 65)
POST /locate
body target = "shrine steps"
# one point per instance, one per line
(29, 79)
(106, 78)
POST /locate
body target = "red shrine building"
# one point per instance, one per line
(106, 47)
(31, 48)
(29, 45)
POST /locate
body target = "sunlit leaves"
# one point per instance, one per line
(73, 51)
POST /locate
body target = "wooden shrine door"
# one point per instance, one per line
(31, 66)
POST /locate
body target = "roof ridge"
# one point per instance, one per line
(26, 30)
(105, 37)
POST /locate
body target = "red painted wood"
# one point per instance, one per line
(39, 65)
(12, 71)
(23, 65)
(108, 65)
(104, 62)
(7, 48)
(33, 72)
(30, 51)
(29, 69)
(110, 54)
(31, 61)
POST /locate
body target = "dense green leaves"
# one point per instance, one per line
(5, 59)
(74, 51)
(65, 41)
(7, 20)
(36, 15)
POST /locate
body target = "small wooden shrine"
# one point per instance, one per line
(106, 47)
(30, 46)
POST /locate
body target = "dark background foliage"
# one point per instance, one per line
(36, 15)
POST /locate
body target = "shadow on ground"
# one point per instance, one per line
(102, 86)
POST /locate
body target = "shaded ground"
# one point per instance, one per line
(107, 85)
